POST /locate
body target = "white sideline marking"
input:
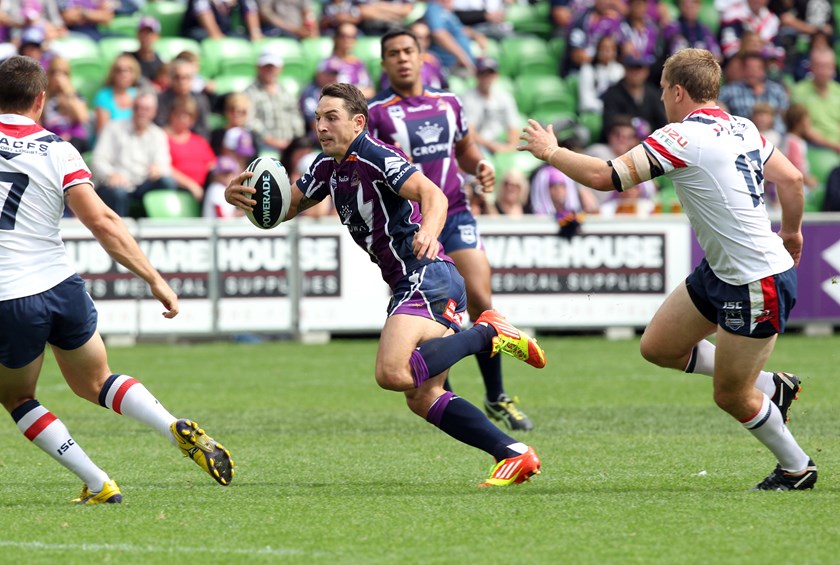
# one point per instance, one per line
(146, 549)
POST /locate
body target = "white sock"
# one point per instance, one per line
(127, 396)
(42, 428)
(518, 447)
(702, 362)
(769, 428)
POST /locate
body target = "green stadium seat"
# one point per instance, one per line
(123, 26)
(520, 160)
(169, 47)
(112, 47)
(821, 161)
(557, 45)
(229, 55)
(543, 93)
(814, 199)
(529, 18)
(418, 10)
(491, 49)
(459, 85)
(526, 55)
(165, 203)
(594, 122)
(73, 47)
(709, 15)
(292, 85)
(369, 50)
(168, 13)
(225, 84)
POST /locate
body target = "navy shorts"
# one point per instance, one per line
(460, 232)
(758, 309)
(435, 291)
(63, 316)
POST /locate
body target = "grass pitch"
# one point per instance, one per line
(639, 466)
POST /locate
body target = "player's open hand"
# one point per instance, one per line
(240, 195)
(425, 245)
(537, 139)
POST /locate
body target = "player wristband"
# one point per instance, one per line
(553, 148)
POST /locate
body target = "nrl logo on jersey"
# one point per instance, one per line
(396, 112)
(430, 133)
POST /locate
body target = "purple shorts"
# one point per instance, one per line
(63, 316)
(435, 291)
(758, 309)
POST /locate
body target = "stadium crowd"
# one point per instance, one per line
(227, 81)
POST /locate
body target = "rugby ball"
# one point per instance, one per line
(274, 192)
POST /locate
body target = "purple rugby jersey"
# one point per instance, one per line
(426, 127)
(365, 190)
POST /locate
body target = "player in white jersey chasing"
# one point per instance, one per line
(43, 301)
(743, 290)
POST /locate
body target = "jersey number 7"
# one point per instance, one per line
(18, 183)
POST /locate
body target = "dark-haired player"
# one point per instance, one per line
(372, 186)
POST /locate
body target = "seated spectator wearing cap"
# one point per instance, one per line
(350, 68)
(239, 143)
(214, 19)
(276, 117)
(633, 95)
(32, 45)
(85, 16)
(65, 112)
(326, 73)
(192, 156)
(132, 157)
(215, 206)
(491, 111)
(148, 33)
(288, 18)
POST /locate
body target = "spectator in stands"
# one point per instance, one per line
(431, 73)
(635, 96)
(148, 33)
(820, 93)
(276, 117)
(237, 106)
(450, 38)
(132, 157)
(86, 16)
(288, 18)
(512, 194)
(182, 75)
(326, 73)
(639, 33)
(491, 110)
(214, 19)
(794, 146)
(239, 144)
(752, 15)
(19, 15)
(487, 17)
(740, 97)
(801, 18)
(481, 203)
(597, 76)
(764, 116)
(688, 31)
(32, 45)
(622, 135)
(378, 16)
(337, 12)
(192, 156)
(215, 205)
(586, 30)
(65, 112)
(351, 69)
(114, 101)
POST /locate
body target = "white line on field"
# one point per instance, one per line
(268, 550)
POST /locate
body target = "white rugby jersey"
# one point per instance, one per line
(716, 162)
(36, 167)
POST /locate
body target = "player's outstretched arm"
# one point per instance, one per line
(789, 186)
(584, 169)
(111, 233)
(433, 207)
